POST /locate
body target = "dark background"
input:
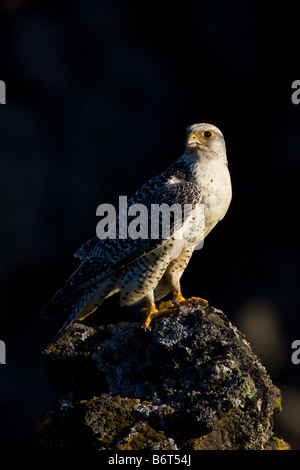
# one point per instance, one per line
(99, 94)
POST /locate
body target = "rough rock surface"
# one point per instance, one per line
(191, 382)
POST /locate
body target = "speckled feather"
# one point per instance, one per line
(149, 268)
(102, 258)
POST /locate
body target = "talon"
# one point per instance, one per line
(164, 308)
(151, 316)
(150, 312)
(197, 301)
(160, 313)
(166, 305)
(147, 322)
(169, 307)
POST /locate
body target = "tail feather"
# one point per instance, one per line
(87, 304)
(84, 307)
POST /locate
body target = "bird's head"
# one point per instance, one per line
(205, 138)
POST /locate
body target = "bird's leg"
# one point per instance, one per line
(170, 304)
(177, 296)
(152, 312)
(172, 276)
(174, 279)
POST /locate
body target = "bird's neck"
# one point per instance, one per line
(200, 167)
(198, 156)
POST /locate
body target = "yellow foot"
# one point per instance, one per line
(150, 312)
(178, 297)
(159, 313)
(170, 307)
(166, 305)
(180, 300)
(195, 301)
(169, 304)
(150, 317)
(164, 308)
(188, 302)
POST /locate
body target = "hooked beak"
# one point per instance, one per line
(192, 142)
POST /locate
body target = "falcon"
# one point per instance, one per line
(148, 269)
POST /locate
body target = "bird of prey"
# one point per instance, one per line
(150, 268)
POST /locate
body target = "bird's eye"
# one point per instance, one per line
(193, 136)
(208, 134)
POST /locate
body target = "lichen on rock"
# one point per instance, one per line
(190, 382)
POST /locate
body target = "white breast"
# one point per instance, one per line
(214, 179)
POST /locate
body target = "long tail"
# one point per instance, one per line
(87, 304)
(84, 307)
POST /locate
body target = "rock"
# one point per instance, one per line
(190, 382)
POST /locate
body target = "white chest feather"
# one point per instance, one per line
(214, 179)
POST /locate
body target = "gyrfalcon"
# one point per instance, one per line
(151, 267)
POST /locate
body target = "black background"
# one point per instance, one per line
(99, 94)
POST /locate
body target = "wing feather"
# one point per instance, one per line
(102, 258)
